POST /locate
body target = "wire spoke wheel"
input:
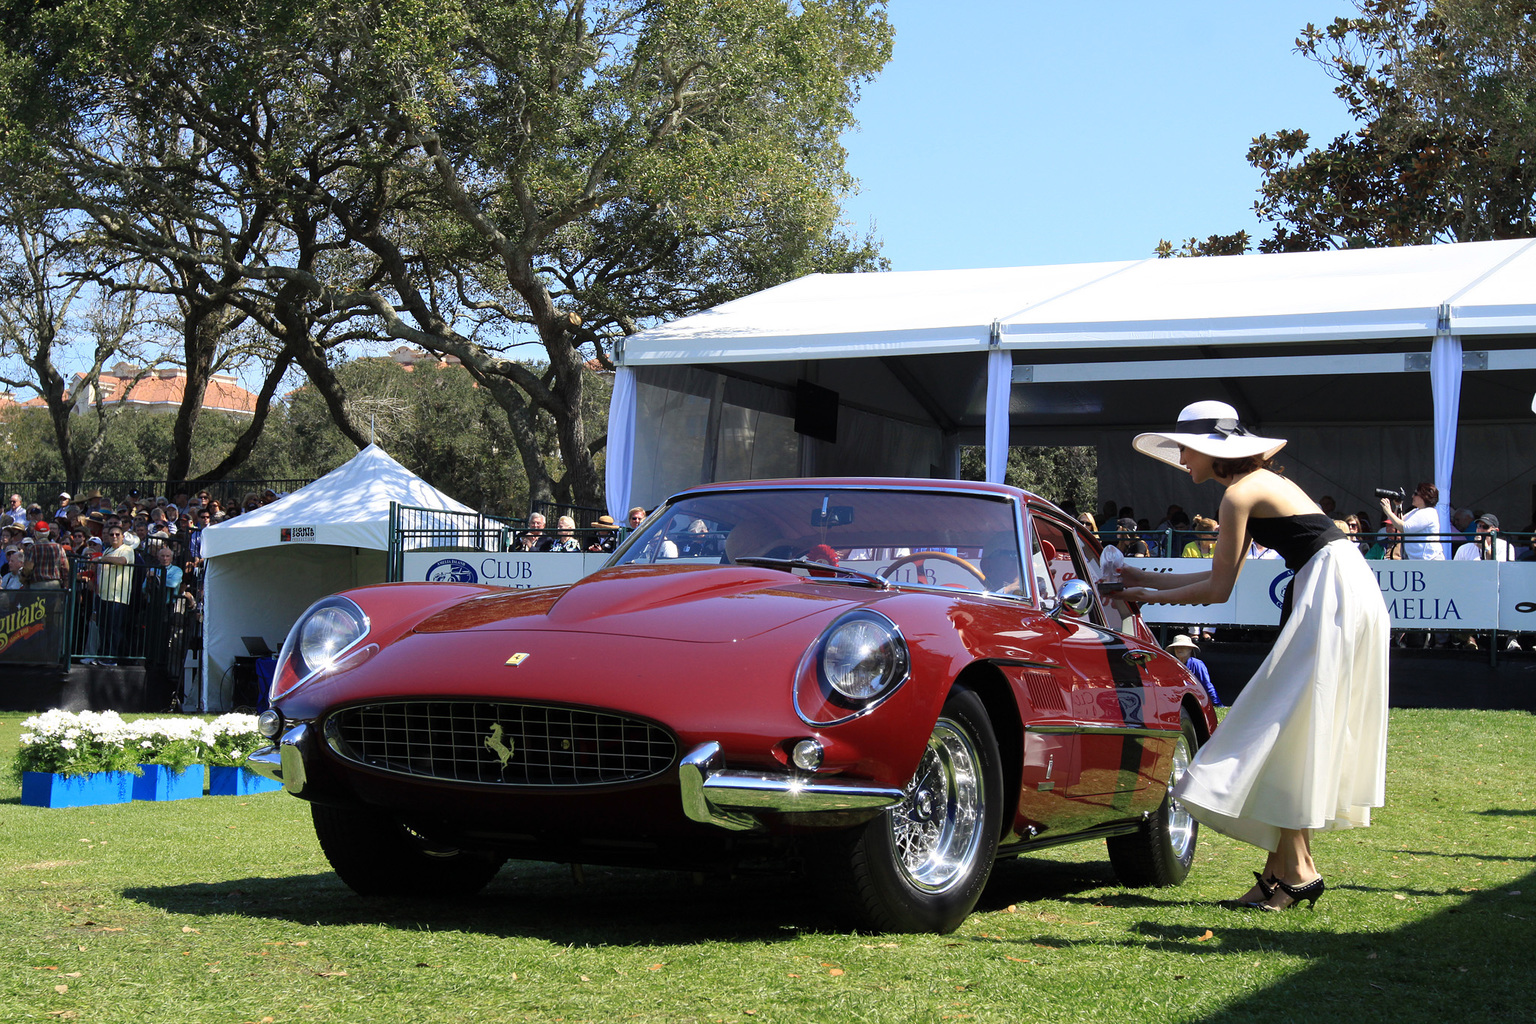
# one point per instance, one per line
(921, 866)
(937, 830)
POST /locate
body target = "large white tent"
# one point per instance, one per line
(265, 567)
(1378, 365)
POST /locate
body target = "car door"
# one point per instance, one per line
(1121, 740)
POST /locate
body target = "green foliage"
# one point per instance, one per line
(1444, 92)
(463, 175)
(1066, 475)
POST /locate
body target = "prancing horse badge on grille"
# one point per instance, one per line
(517, 659)
(494, 744)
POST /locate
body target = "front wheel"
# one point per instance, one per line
(378, 856)
(1160, 852)
(921, 866)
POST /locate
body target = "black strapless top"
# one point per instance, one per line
(1296, 538)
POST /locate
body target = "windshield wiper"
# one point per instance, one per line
(856, 575)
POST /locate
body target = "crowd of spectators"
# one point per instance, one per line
(1410, 532)
(601, 537)
(131, 566)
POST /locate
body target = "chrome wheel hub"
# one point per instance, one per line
(1181, 824)
(937, 829)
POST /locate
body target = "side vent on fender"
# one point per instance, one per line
(1045, 692)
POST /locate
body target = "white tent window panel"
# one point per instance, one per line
(872, 445)
(669, 450)
(756, 445)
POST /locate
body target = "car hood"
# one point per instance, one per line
(697, 604)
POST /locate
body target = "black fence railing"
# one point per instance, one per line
(1175, 543)
(583, 516)
(430, 529)
(138, 614)
(227, 492)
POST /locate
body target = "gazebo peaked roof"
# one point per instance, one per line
(348, 507)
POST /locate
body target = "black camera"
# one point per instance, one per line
(1398, 496)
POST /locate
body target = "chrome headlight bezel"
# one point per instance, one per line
(326, 633)
(862, 658)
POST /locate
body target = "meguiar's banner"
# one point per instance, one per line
(32, 624)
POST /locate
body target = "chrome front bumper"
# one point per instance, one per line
(283, 762)
(716, 796)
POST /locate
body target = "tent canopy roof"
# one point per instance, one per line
(348, 507)
(1338, 296)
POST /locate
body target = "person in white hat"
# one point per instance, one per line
(1303, 748)
(1185, 649)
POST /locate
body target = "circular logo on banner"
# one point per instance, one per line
(1277, 587)
(452, 570)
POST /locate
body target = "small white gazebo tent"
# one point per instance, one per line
(265, 567)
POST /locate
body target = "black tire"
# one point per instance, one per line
(921, 866)
(377, 856)
(1160, 853)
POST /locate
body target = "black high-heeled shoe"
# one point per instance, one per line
(1266, 887)
(1309, 892)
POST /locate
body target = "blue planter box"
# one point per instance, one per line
(224, 781)
(161, 783)
(44, 789)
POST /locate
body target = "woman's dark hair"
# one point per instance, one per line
(1226, 468)
(1429, 492)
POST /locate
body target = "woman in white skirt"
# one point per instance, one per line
(1304, 746)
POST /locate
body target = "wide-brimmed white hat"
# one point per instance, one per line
(1209, 427)
(1183, 640)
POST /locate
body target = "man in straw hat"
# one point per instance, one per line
(1303, 748)
(1185, 649)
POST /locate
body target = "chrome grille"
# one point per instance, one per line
(465, 741)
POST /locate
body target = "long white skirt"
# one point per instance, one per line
(1305, 743)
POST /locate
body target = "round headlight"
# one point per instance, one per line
(329, 629)
(325, 634)
(863, 657)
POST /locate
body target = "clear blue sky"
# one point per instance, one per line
(1018, 132)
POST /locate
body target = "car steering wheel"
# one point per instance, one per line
(921, 556)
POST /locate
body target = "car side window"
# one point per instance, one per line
(1057, 558)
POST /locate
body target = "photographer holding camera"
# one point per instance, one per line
(1420, 524)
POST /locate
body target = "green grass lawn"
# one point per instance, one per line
(223, 910)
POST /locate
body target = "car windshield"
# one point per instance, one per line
(920, 538)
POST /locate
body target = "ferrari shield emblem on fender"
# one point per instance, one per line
(517, 659)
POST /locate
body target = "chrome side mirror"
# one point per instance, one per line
(1076, 597)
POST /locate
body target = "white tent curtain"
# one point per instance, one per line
(999, 386)
(621, 443)
(1445, 385)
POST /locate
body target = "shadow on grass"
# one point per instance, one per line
(1465, 958)
(610, 906)
(1460, 962)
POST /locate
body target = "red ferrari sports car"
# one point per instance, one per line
(898, 681)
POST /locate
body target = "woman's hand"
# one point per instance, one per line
(1136, 595)
(1133, 577)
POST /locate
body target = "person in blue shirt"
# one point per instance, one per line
(1185, 649)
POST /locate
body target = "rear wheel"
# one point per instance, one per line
(921, 866)
(378, 856)
(1160, 853)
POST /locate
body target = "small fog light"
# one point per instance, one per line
(807, 755)
(269, 723)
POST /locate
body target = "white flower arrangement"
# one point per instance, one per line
(80, 743)
(65, 743)
(230, 738)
